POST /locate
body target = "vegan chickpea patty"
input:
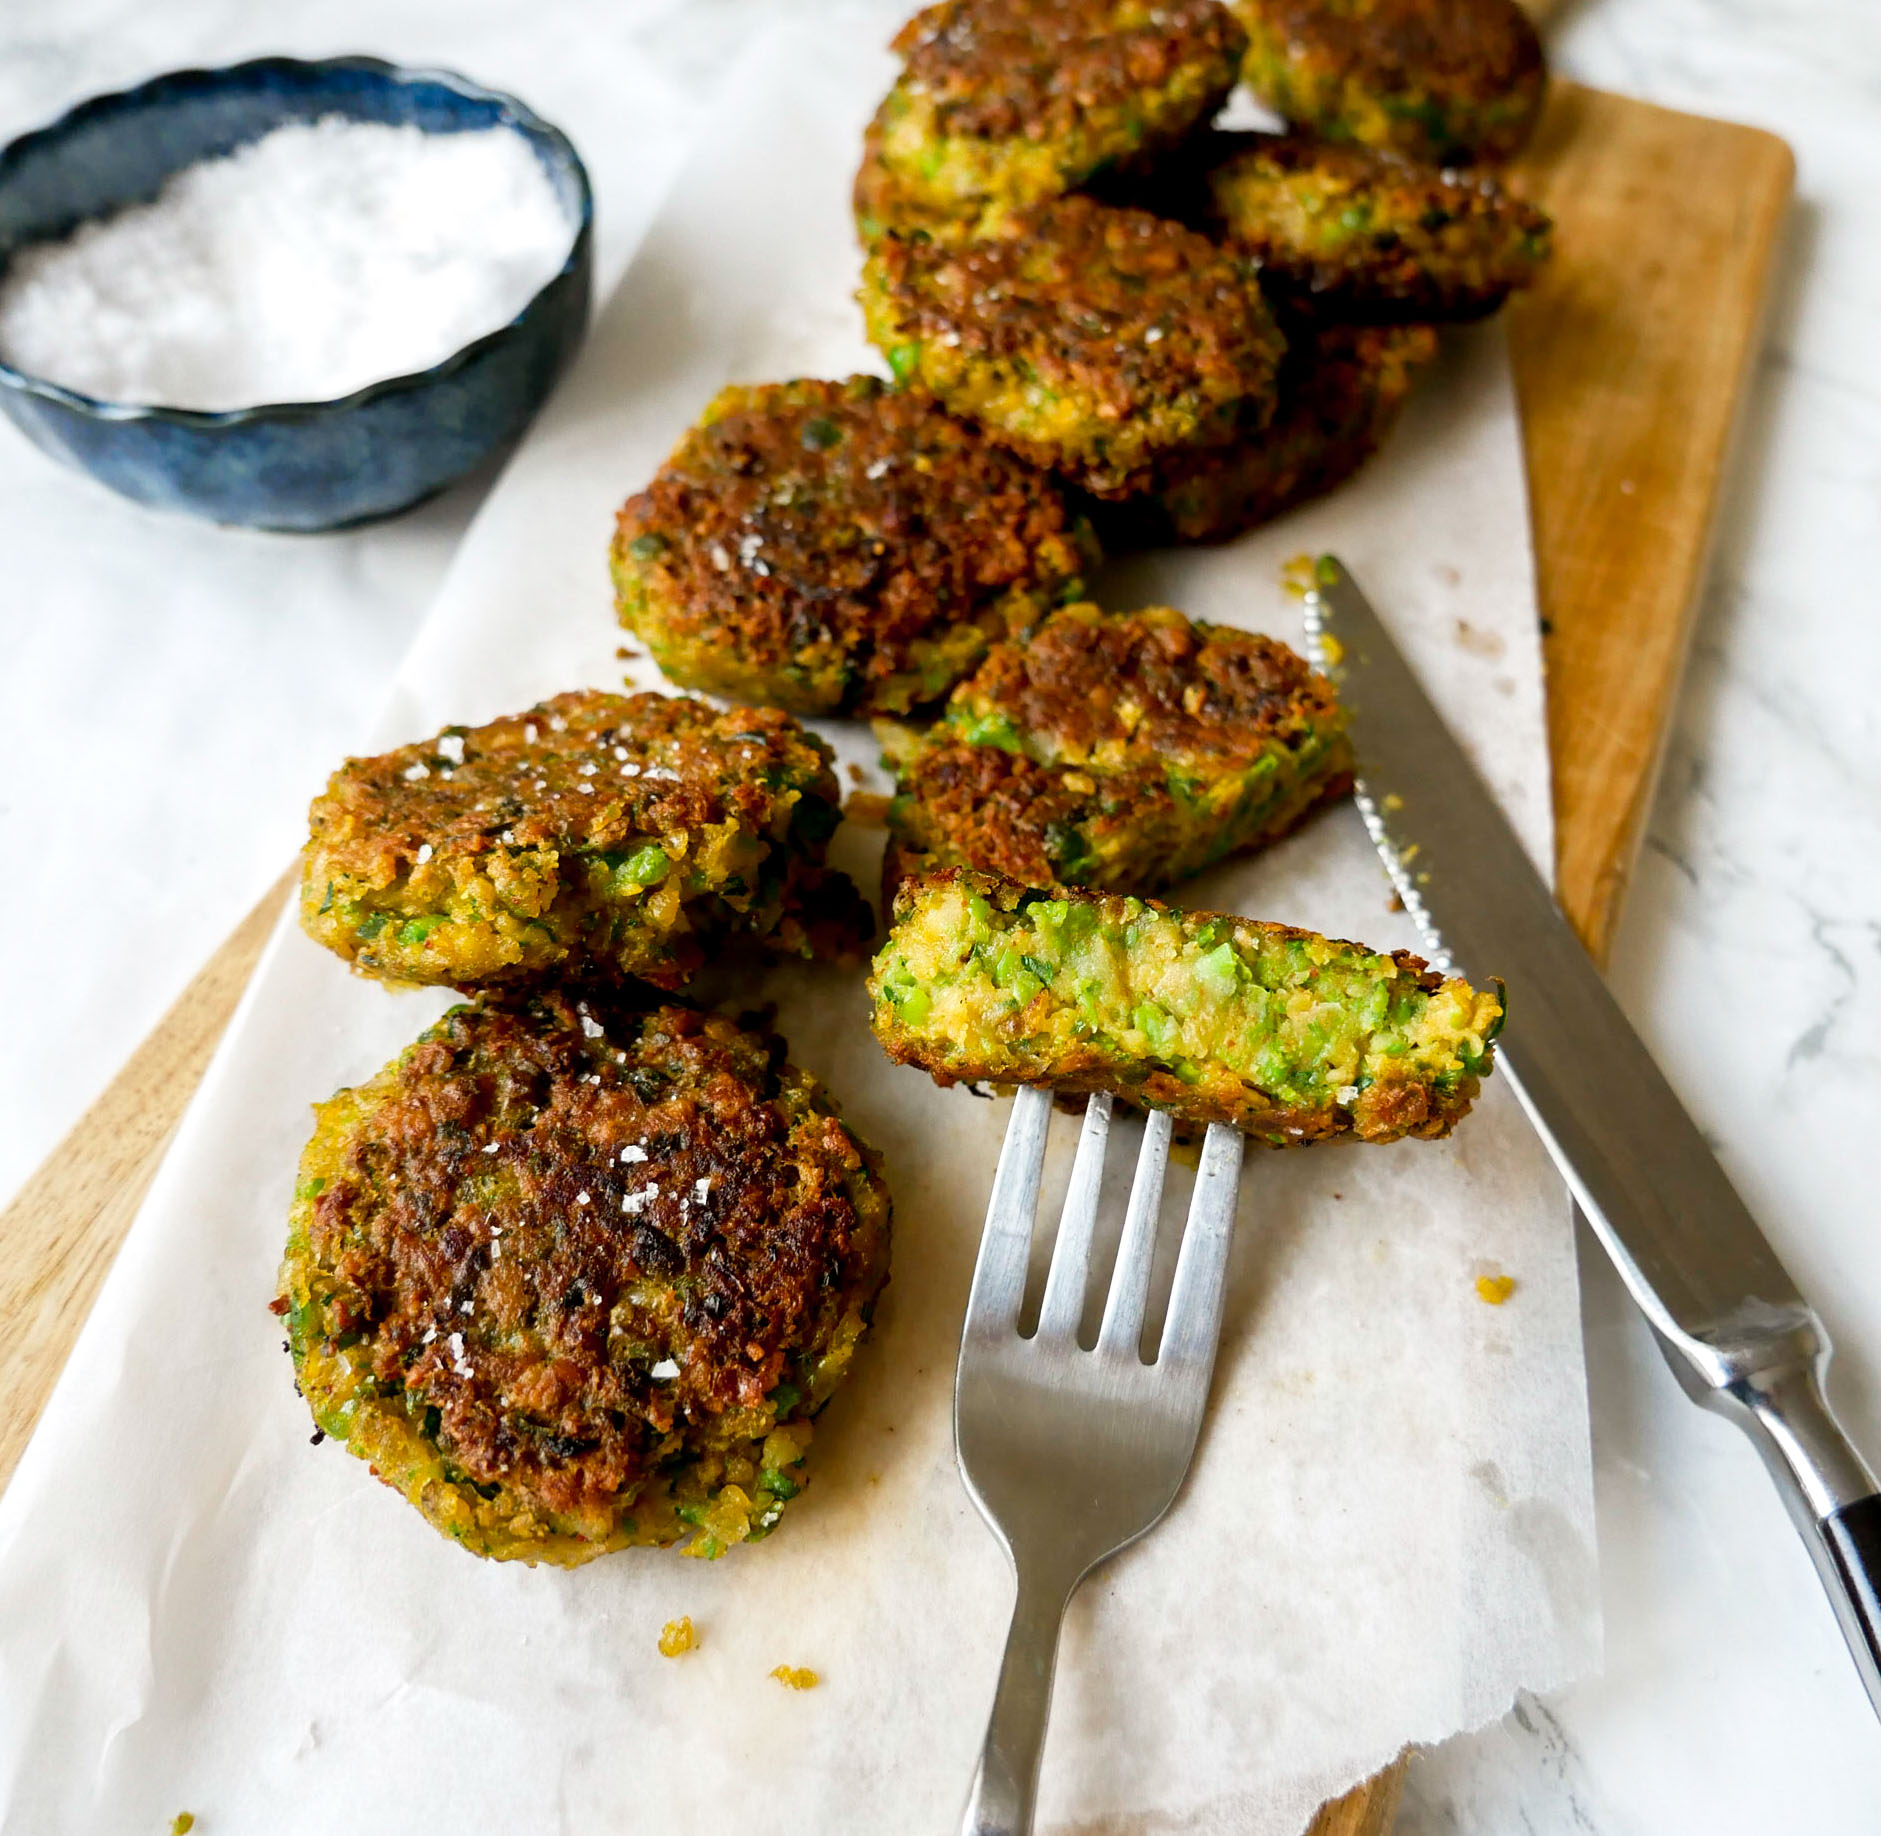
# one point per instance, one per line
(1286, 1035)
(1087, 338)
(1350, 233)
(1007, 103)
(833, 547)
(1342, 388)
(598, 835)
(1438, 80)
(1119, 751)
(573, 1277)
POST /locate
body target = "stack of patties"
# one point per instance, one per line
(1195, 331)
(1091, 338)
(576, 1270)
(1057, 237)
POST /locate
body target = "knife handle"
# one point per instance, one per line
(1827, 1488)
(1852, 1539)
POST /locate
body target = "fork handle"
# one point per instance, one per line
(1005, 1786)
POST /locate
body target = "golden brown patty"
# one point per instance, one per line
(596, 835)
(1007, 103)
(1088, 338)
(832, 547)
(573, 1275)
(1353, 234)
(1438, 80)
(1341, 390)
(1287, 1035)
(1121, 751)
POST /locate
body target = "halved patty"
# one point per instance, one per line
(1289, 1036)
(596, 835)
(832, 547)
(1087, 338)
(1354, 234)
(1120, 751)
(1438, 80)
(1008, 103)
(1341, 390)
(573, 1276)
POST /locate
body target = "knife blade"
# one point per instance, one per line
(1734, 1328)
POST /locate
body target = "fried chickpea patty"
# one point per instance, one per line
(833, 547)
(1289, 1036)
(1437, 80)
(573, 1277)
(1121, 751)
(1007, 103)
(1087, 338)
(1342, 388)
(596, 835)
(1354, 234)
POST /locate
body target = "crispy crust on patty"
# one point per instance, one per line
(1084, 337)
(833, 547)
(1438, 80)
(1354, 234)
(961, 990)
(1341, 391)
(596, 835)
(573, 1276)
(1007, 103)
(1119, 751)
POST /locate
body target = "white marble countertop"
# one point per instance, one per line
(171, 695)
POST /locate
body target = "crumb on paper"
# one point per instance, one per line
(1478, 642)
(796, 1679)
(182, 1823)
(1296, 575)
(677, 1637)
(626, 653)
(869, 808)
(856, 774)
(1494, 1289)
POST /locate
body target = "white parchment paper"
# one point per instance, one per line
(1389, 1525)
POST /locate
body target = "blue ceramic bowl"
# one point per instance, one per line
(297, 465)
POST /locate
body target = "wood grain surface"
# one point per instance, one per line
(1631, 359)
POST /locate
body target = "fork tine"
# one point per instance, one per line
(1129, 1283)
(1063, 1305)
(1005, 1244)
(1193, 1325)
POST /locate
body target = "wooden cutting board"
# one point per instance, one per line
(1631, 360)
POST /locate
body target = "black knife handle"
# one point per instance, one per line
(1853, 1536)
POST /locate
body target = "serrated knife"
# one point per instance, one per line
(1739, 1337)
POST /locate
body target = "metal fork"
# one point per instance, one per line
(1072, 1454)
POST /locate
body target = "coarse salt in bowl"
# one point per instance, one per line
(365, 299)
